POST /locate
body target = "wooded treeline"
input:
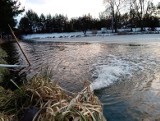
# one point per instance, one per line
(32, 23)
(118, 14)
(9, 10)
(133, 13)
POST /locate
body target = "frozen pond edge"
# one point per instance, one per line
(142, 38)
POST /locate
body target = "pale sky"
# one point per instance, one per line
(71, 8)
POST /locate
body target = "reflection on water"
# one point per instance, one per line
(126, 77)
(69, 62)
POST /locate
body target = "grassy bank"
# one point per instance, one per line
(43, 100)
(3, 71)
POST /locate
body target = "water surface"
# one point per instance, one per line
(125, 76)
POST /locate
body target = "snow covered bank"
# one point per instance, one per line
(104, 38)
(53, 35)
(88, 34)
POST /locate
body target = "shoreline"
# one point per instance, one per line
(48, 93)
(68, 35)
(139, 38)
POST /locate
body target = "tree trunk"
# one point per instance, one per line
(115, 26)
(141, 24)
(115, 23)
(131, 24)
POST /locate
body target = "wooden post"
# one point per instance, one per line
(19, 45)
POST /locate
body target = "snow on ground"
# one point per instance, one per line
(102, 38)
(123, 36)
(53, 35)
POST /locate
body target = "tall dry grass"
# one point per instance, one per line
(42, 100)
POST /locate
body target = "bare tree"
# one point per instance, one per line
(132, 13)
(114, 7)
(141, 8)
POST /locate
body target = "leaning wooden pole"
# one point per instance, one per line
(19, 46)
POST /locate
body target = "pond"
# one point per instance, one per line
(125, 76)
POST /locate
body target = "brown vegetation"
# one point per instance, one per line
(42, 100)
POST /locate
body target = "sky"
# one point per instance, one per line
(71, 8)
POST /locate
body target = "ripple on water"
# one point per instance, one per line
(126, 76)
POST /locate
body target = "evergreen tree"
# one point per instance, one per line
(25, 25)
(9, 9)
(30, 22)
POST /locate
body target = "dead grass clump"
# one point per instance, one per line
(3, 71)
(4, 117)
(42, 90)
(42, 100)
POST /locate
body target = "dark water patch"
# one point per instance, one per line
(134, 45)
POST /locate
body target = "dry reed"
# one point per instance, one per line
(52, 102)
